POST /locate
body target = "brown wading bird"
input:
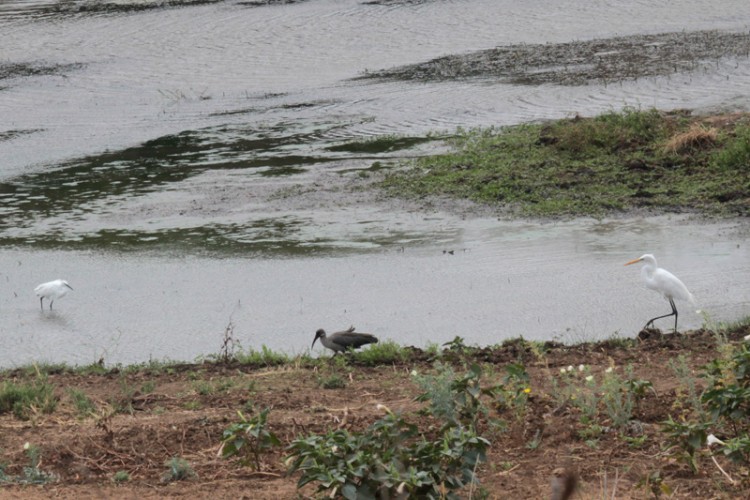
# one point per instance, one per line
(341, 341)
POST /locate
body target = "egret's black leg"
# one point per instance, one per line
(673, 313)
(50, 304)
(41, 303)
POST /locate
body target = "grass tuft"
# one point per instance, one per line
(383, 352)
(27, 398)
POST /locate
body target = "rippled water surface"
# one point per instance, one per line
(185, 167)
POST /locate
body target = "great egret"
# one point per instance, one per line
(341, 341)
(51, 290)
(663, 282)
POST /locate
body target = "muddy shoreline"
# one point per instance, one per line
(599, 61)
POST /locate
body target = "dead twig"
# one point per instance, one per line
(731, 481)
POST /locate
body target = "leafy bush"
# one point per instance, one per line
(515, 389)
(455, 400)
(728, 400)
(249, 438)
(686, 439)
(389, 459)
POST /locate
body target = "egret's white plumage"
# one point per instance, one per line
(52, 290)
(665, 283)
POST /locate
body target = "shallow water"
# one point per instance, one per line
(562, 281)
(150, 73)
(180, 168)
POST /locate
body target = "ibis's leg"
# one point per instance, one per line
(673, 313)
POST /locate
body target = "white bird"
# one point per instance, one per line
(663, 282)
(51, 290)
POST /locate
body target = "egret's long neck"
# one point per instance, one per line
(647, 272)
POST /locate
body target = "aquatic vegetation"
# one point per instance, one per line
(614, 162)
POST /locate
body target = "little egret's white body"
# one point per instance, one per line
(52, 290)
(663, 282)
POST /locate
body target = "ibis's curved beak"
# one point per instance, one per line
(634, 261)
(317, 336)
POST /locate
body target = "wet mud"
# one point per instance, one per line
(19, 70)
(118, 6)
(582, 62)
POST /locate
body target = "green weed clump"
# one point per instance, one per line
(262, 357)
(722, 410)
(32, 473)
(392, 458)
(27, 398)
(83, 404)
(120, 476)
(248, 439)
(178, 469)
(384, 352)
(389, 459)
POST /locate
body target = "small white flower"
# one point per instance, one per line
(712, 440)
(334, 448)
(581, 368)
(414, 373)
(562, 370)
(747, 338)
(26, 445)
(589, 378)
(608, 370)
(570, 368)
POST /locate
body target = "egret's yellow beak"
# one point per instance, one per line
(634, 261)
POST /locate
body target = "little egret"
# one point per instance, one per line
(341, 341)
(663, 282)
(51, 290)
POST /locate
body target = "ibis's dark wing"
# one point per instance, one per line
(354, 340)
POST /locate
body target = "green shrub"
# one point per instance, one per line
(248, 438)
(736, 153)
(389, 459)
(455, 400)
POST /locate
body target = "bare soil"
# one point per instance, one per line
(143, 418)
